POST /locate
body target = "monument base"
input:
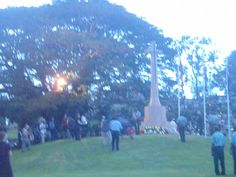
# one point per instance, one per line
(155, 121)
(154, 115)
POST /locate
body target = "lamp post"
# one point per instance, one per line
(227, 95)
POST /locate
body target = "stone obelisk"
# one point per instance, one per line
(154, 113)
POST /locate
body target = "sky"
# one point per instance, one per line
(203, 18)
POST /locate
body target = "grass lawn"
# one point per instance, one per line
(145, 156)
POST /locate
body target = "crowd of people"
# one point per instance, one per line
(76, 128)
(45, 130)
(111, 129)
(217, 130)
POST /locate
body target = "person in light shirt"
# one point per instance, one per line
(115, 127)
(217, 149)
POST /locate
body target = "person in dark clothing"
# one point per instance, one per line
(71, 127)
(52, 128)
(115, 127)
(19, 137)
(233, 148)
(78, 125)
(217, 150)
(5, 153)
(182, 124)
(136, 118)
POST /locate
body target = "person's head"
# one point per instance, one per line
(3, 136)
(115, 118)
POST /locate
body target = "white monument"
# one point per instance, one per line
(154, 113)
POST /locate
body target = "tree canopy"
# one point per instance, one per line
(89, 56)
(98, 47)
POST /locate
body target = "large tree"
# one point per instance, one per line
(198, 57)
(221, 80)
(97, 46)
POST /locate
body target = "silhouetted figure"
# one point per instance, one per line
(182, 124)
(105, 130)
(78, 125)
(233, 148)
(52, 128)
(5, 153)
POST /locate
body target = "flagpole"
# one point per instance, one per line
(178, 79)
(204, 100)
(227, 95)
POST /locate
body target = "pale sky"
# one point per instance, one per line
(209, 18)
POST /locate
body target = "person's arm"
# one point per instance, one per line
(9, 150)
(110, 125)
(10, 153)
(121, 126)
(212, 145)
(212, 150)
(231, 149)
(231, 145)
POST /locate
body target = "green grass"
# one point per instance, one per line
(145, 156)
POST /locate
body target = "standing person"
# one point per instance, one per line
(115, 127)
(138, 122)
(43, 130)
(52, 128)
(105, 130)
(65, 126)
(25, 138)
(182, 124)
(84, 125)
(233, 148)
(217, 150)
(71, 127)
(5, 153)
(78, 128)
(131, 131)
(200, 123)
(19, 136)
(136, 118)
